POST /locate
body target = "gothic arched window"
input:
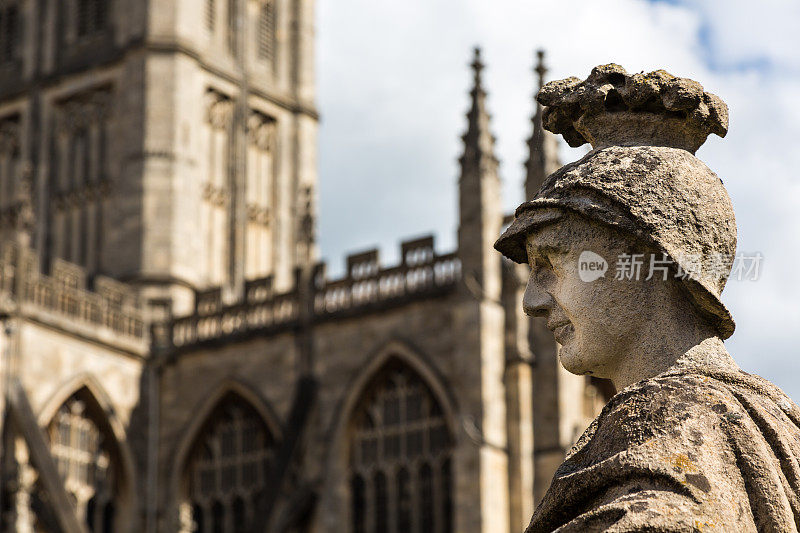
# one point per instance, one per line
(233, 26)
(84, 453)
(9, 164)
(91, 17)
(10, 31)
(400, 455)
(211, 14)
(228, 470)
(266, 31)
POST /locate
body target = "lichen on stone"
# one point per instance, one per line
(609, 89)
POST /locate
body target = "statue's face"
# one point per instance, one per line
(597, 322)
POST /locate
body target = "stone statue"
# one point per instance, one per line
(690, 442)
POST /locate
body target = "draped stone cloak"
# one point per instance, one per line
(692, 449)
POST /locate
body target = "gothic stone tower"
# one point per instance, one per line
(229, 138)
(167, 144)
(159, 152)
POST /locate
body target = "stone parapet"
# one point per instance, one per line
(110, 313)
(367, 287)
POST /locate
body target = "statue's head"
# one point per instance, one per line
(639, 196)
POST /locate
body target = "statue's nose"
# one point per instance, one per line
(537, 301)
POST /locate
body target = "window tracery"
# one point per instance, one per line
(400, 455)
(82, 23)
(79, 182)
(10, 32)
(266, 31)
(91, 17)
(228, 471)
(233, 27)
(211, 15)
(84, 456)
(9, 171)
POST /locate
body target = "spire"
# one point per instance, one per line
(478, 140)
(542, 145)
(480, 208)
(540, 69)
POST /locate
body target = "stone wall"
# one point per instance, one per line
(347, 352)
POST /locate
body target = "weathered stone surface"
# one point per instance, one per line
(665, 196)
(614, 107)
(642, 176)
(691, 442)
(694, 449)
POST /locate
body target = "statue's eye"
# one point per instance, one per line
(541, 267)
(542, 261)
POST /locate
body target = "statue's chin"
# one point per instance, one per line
(580, 363)
(573, 362)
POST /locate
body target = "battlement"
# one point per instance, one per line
(109, 312)
(367, 286)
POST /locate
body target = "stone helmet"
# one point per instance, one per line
(642, 176)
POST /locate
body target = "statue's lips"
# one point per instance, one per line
(554, 326)
(561, 331)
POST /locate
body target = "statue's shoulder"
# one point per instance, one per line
(700, 384)
(669, 393)
(675, 441)
(699, 400)
(648, 411)
(704, 389)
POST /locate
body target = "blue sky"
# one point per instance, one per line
(393, 82)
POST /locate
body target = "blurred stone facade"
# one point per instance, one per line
(174, 357)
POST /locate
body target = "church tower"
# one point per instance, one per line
(530, 348)
(169, 144)
(479, 318)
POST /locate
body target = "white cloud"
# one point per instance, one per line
(393, 84)
(742, 33)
